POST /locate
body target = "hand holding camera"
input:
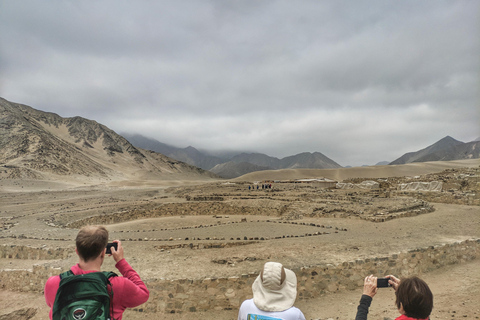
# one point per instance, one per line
(393, 281)
(370, 286)
(116, 250)
(372, 283)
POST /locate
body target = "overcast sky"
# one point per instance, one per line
(359, 81)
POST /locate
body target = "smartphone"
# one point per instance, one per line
(383, 283)
(109, 247)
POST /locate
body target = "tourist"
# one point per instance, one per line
(274, 293)
(128, 291)
(414, 300)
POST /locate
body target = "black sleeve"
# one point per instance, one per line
(362, 309)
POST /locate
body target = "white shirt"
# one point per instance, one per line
(249, 311)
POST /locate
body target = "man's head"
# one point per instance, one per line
(415, 297)
(91, 241)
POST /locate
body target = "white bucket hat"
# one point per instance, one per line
(275, 288)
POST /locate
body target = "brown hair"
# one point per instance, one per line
(90, 241)
(414, 295)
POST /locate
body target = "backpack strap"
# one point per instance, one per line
(66, 274)
(109, 275)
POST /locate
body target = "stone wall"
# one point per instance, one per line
(172, 296)
(196, 208)
(471, 198)
(27, 252)
(190, 295)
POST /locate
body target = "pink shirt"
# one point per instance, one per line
(129, 290)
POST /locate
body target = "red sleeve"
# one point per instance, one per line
(134, 291)
(50, 291)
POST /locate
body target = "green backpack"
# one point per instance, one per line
(84, 296)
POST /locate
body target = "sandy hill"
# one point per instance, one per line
(233, 169)
(44, 146)
(339, 174)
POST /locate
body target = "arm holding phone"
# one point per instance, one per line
(370, 287)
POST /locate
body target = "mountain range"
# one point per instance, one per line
(232, 166)
(35, 144)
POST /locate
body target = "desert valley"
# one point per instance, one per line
(199, 240)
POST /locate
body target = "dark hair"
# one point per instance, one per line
(414, 295)
(90, 241)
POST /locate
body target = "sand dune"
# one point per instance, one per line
(411, 169)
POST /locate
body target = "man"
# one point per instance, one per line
(274, 293)
(128, 291)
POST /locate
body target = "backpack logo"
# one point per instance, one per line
(79, 314)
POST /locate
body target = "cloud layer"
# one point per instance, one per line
(361, 81)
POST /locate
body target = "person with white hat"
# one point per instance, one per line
(274, 293)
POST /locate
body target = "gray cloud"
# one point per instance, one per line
(361, 81)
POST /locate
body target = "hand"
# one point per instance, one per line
(370, 286)
(394, 282)
(118, 253)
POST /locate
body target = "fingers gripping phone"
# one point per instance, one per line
(383, 283)
(109, 247)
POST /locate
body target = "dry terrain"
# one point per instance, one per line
(168, 228)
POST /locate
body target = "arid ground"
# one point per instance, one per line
(295, 224)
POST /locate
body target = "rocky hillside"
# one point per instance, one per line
(446, 149)
(36, 144)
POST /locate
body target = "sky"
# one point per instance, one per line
(359, 81)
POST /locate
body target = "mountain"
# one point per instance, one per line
(304, 160)
(308, 160)
(446, 149)
(231, 165)
(188, 155)
(258, 159)
(41, 145)
(140, 141)
(249, 162)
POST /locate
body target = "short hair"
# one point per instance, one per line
(90, 242)
(414, 295)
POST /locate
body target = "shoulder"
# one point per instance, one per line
(295, 310)
(247, 303)
(50, 290)
(53, 281)
(294, 313)
(248, 306)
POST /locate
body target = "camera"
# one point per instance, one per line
(383, 283)
(109, 247)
